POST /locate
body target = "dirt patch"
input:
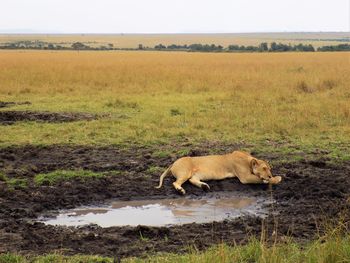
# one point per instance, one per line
(4, 104)
(310, 191)
(11, 117)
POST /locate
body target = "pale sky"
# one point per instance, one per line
(177, 16)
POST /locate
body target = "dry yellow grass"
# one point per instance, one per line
(153, 96)
(133, 40)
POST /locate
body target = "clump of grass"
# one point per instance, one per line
(3, 177)
(63, 175)
(161, 154)
(175, 112)
(304, 87)
(328, 84)
(17, 183)
(155, 170)
(183, 152)
(11, 258)
(118, 103)
(13, 182)
(14, 258)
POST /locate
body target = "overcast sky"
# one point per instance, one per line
(177, 16)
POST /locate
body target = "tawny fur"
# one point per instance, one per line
(248, 169)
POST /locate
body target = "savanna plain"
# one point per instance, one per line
(80, 127)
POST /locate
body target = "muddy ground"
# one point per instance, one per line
(4, 104)
(11, 117)
(312, 189)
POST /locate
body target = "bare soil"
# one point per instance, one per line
(11, 117)
(4, 104)
(312, 190)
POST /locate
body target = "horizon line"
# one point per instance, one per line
(163, 33)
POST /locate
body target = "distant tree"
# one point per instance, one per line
(160, 46)
(79, 46)
(302, 47)
(110, 46)
(280, 47)
(233, 47)
(340, 47)
(273, 46)
(140, 47)
(263, 47)
(50, 46)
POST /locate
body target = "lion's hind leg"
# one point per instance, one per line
(195, 181)
(177, 185)
(181, 177)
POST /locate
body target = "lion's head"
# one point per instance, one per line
(261, 169)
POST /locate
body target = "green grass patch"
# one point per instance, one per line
(17, 183)
(161, 154)
(3, 177)
(333, 249)
(63, 175)
(13, 258)
(13, 182)
(155, 170)
(183, 152)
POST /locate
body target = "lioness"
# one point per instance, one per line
(248, 169)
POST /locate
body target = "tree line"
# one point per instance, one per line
(262, 47)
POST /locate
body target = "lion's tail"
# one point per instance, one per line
(163, 176)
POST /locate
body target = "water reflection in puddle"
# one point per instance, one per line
(160, 212)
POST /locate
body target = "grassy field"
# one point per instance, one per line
(160, 97)
(287, 102)
(150, 40)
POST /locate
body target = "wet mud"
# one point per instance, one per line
(11, 117)
(311, 191)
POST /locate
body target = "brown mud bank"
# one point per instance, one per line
(311, 190)
(11, 117)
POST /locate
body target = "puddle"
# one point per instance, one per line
(161, 212)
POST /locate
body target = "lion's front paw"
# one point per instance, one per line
(275, 180)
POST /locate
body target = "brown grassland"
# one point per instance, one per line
(161, 96)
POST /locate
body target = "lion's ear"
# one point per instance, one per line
(253, 164)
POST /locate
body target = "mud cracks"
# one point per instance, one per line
(311, 191)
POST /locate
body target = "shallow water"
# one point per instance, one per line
(161, 212)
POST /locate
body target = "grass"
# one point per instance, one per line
(157, 97)
(62, 175)
(13, 258)
(331, 250)
(13, 182)
(155, 170)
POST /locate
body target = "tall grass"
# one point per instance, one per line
(334, 249)
(152, 96)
